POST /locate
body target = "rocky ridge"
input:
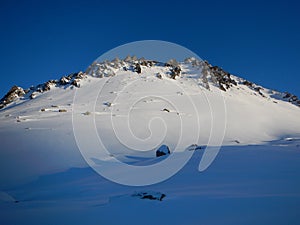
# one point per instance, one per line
(208, 75)
(15, 93)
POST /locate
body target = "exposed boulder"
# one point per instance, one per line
(79, 75)
(221, 87)
(194, 147)
(247, 83)
(159, 76)
(150, 195)
(294, 98)
(32, 95)
(64, 80)
(163, 150)
(76, 83)
(48, 84)
(47, 87)
(258, 90)
(138, 68)
(287, 95)
(175, 71)
(108, 104)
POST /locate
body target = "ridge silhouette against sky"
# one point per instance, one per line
(42, 40)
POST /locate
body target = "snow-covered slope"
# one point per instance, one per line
(138, 110)
(136, 106)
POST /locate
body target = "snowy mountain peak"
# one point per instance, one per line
(135, 106)
(14, 93)
(202, 72)
(206, 74)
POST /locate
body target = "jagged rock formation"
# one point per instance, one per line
(221, 77)
(14, 93)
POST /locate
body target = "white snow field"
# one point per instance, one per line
(254, 179)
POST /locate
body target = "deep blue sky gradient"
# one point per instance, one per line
(256, 40)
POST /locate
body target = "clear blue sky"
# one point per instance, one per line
(42, 40)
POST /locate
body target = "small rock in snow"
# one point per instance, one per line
(163, 150)
(150, 195)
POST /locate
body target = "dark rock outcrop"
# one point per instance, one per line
(175, 71)
(247, 83)
(76, 83)
(13, 94)
(220, 77)
(138, 68)
(291, 98)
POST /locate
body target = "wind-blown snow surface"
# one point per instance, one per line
(255, 179)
